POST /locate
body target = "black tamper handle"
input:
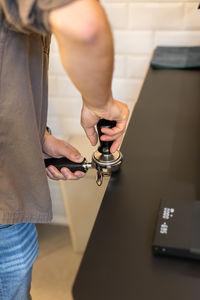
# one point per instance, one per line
(104, 147)
(64, 162)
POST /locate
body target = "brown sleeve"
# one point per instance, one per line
(30, 15)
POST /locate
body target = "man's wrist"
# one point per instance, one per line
(102, 109)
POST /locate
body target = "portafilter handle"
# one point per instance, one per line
(64, 162)
(105, 146)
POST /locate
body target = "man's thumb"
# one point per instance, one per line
(72, 153)
(92, 135)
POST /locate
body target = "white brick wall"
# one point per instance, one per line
(138, 26)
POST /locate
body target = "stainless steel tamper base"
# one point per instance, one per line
(106, 164)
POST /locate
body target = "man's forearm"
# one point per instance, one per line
(86, 49)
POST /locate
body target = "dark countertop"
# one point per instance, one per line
(161, 160)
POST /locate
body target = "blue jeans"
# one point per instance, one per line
(18, 251)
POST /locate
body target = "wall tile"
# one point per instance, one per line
(55, 65)
(120, 66)
(65, 107)
(64, 127)
(54, 45)
(177, 38)
(52, 85)
(156, 16)
(126, 89)
(66, 88)
(137, 66)
(61, 86)
(117, 14)
(191, 16)
(133, 42)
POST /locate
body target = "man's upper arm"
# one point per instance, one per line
(30, 15)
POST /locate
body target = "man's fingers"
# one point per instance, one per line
(92, 135)
(72, 176)
(79, 174)
(64, 174)
(50, 175)
(110, 138)
(118, 129)
(114, 134)
(54, 173)
(116, 144)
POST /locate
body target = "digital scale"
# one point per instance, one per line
(177, 231)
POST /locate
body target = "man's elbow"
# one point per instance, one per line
(92, 31)
(83, 27)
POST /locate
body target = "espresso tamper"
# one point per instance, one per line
(103, 160)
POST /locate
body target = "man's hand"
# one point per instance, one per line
(114, 110)
(59, 148)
